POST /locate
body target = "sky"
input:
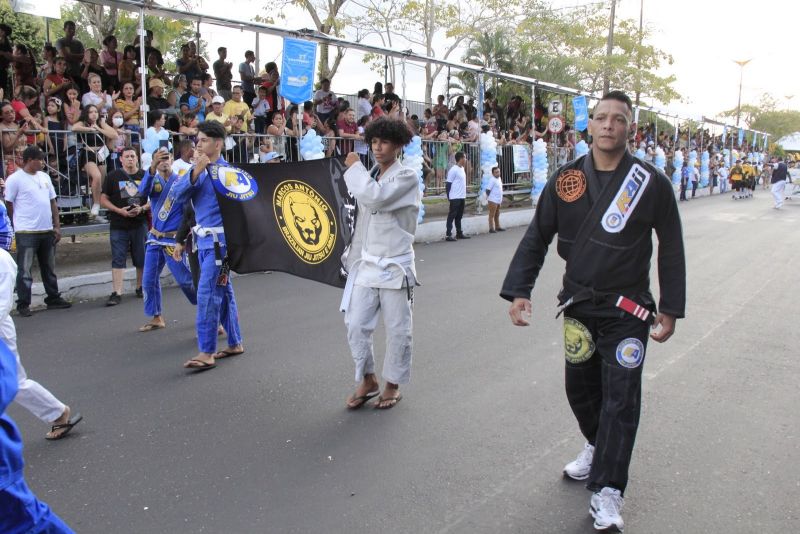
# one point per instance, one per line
(703, 36)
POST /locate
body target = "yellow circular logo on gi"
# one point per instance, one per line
(578, 344)
(305, 220)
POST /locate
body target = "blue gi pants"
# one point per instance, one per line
(155, 257)
(23, 513)
(215, 304)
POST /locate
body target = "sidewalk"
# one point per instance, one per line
(84, 267)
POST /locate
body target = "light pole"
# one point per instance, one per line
(609, 48)
(741, 64)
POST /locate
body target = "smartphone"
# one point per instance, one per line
(163, 143)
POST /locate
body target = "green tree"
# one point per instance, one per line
(492, 51)
(551, 46)
(95, 22)
(25, 29)
(329, 17)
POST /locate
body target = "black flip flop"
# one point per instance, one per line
(227, 354)
(396, 399)
(74, 420)
(362, 400)
(204, 366)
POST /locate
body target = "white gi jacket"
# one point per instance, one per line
(381, 254)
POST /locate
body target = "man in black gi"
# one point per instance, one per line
(604, 206)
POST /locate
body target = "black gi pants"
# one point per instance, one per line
(604, 391)
(455, 214)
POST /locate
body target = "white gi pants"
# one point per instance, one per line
(361, 318)
(778, 189)
(31, 395)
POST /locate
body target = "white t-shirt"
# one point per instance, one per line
(495, 191)
(458, 178)
(31, 195)
(328, 103)
(364, 108)
(181, 167)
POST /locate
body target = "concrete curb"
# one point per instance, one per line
(98, 285)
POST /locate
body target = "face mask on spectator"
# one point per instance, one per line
(118, 121)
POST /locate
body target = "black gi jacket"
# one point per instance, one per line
(614, 247)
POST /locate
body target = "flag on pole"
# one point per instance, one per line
(741, 136)
(299, 221)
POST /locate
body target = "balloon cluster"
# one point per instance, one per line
(581, 148)
(311, 146)
(539, 167)
(692, 164)
(677, 162)
(660, 159)
(488, 146)
(704, 171)
(412, 157)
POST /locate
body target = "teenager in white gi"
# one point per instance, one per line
(380, 262)
(31, 395)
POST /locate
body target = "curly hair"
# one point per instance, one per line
(393, 130)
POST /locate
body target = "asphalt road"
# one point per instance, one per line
(263, 443)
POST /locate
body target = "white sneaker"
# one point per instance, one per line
(605, 508)
(579, 468)
(95, 210)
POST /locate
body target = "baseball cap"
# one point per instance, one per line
(217, 100)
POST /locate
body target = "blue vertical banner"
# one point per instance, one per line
(741, 136)
(297, 70)
(481, 96)
(724, 134)
(755, 139)
(581, 109)
(765, 141)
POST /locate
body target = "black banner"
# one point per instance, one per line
(300, 220)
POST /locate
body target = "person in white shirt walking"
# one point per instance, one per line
(456, 186)
(31, 395)
(494, 194)
(31, 204)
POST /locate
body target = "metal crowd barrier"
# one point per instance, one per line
(62, 152)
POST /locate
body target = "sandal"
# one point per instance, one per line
(362, 400)
(66, 427)
(199, 365)
(392, 402)
(149, 327)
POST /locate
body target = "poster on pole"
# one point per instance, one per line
(297, 70)
(522, 158)
(481, 95)
(581, 109)
(741, 136)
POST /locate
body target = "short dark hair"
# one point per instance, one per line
(212, 129)
(269, 67)
(249, 53)
(459, 156)
(129, 148)
(32, 152)
(495, 169)
(69, 23)
(619, 96)
(324, 80)
(393, 130)
(363, 93)
(221, 48)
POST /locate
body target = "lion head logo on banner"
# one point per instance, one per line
(305, 219)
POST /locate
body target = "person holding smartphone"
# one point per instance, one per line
(127, 220)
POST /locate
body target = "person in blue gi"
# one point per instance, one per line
(158, 184)
(20, 510)
(215, 300)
